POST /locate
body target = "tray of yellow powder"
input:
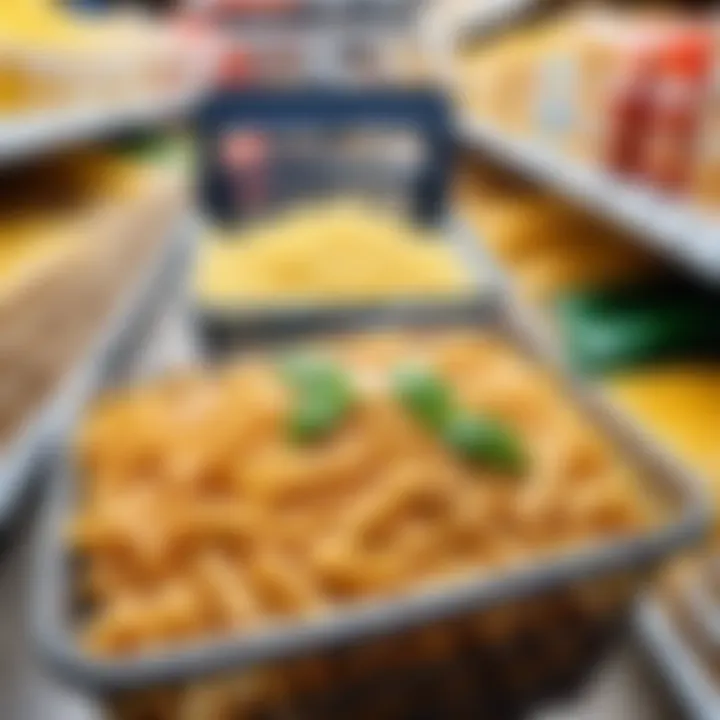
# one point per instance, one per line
(317, 266)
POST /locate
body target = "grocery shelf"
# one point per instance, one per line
(119, 338)
(23, 137)
(687, 680)
(676, 230)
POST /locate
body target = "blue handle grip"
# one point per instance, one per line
(423, 111)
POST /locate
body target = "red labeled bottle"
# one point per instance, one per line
(630, 109)
(680, 101)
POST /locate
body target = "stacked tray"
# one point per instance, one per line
(223, 325)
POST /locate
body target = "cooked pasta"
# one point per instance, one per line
(200, 515)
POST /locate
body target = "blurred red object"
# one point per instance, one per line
(680, 95)
(192, 28)
(237, 67)
(246, 155)
(629, 110)
(196, 35)
(689, 53)
(656, 103)
(233, 65)
(244, 149)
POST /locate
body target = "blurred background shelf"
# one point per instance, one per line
(668, 227)
(121, 292)
(23, 138)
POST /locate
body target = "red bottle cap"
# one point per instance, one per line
(689, 54)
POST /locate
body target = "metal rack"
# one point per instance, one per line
(23, 138)
(672, 228)
(687, 679)
(688, 235)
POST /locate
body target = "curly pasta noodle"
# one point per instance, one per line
(199, 516)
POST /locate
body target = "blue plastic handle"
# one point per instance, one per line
(424, 111)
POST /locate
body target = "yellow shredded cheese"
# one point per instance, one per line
(342, 250)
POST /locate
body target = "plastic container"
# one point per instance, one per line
(573, 604)
(392, 145)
